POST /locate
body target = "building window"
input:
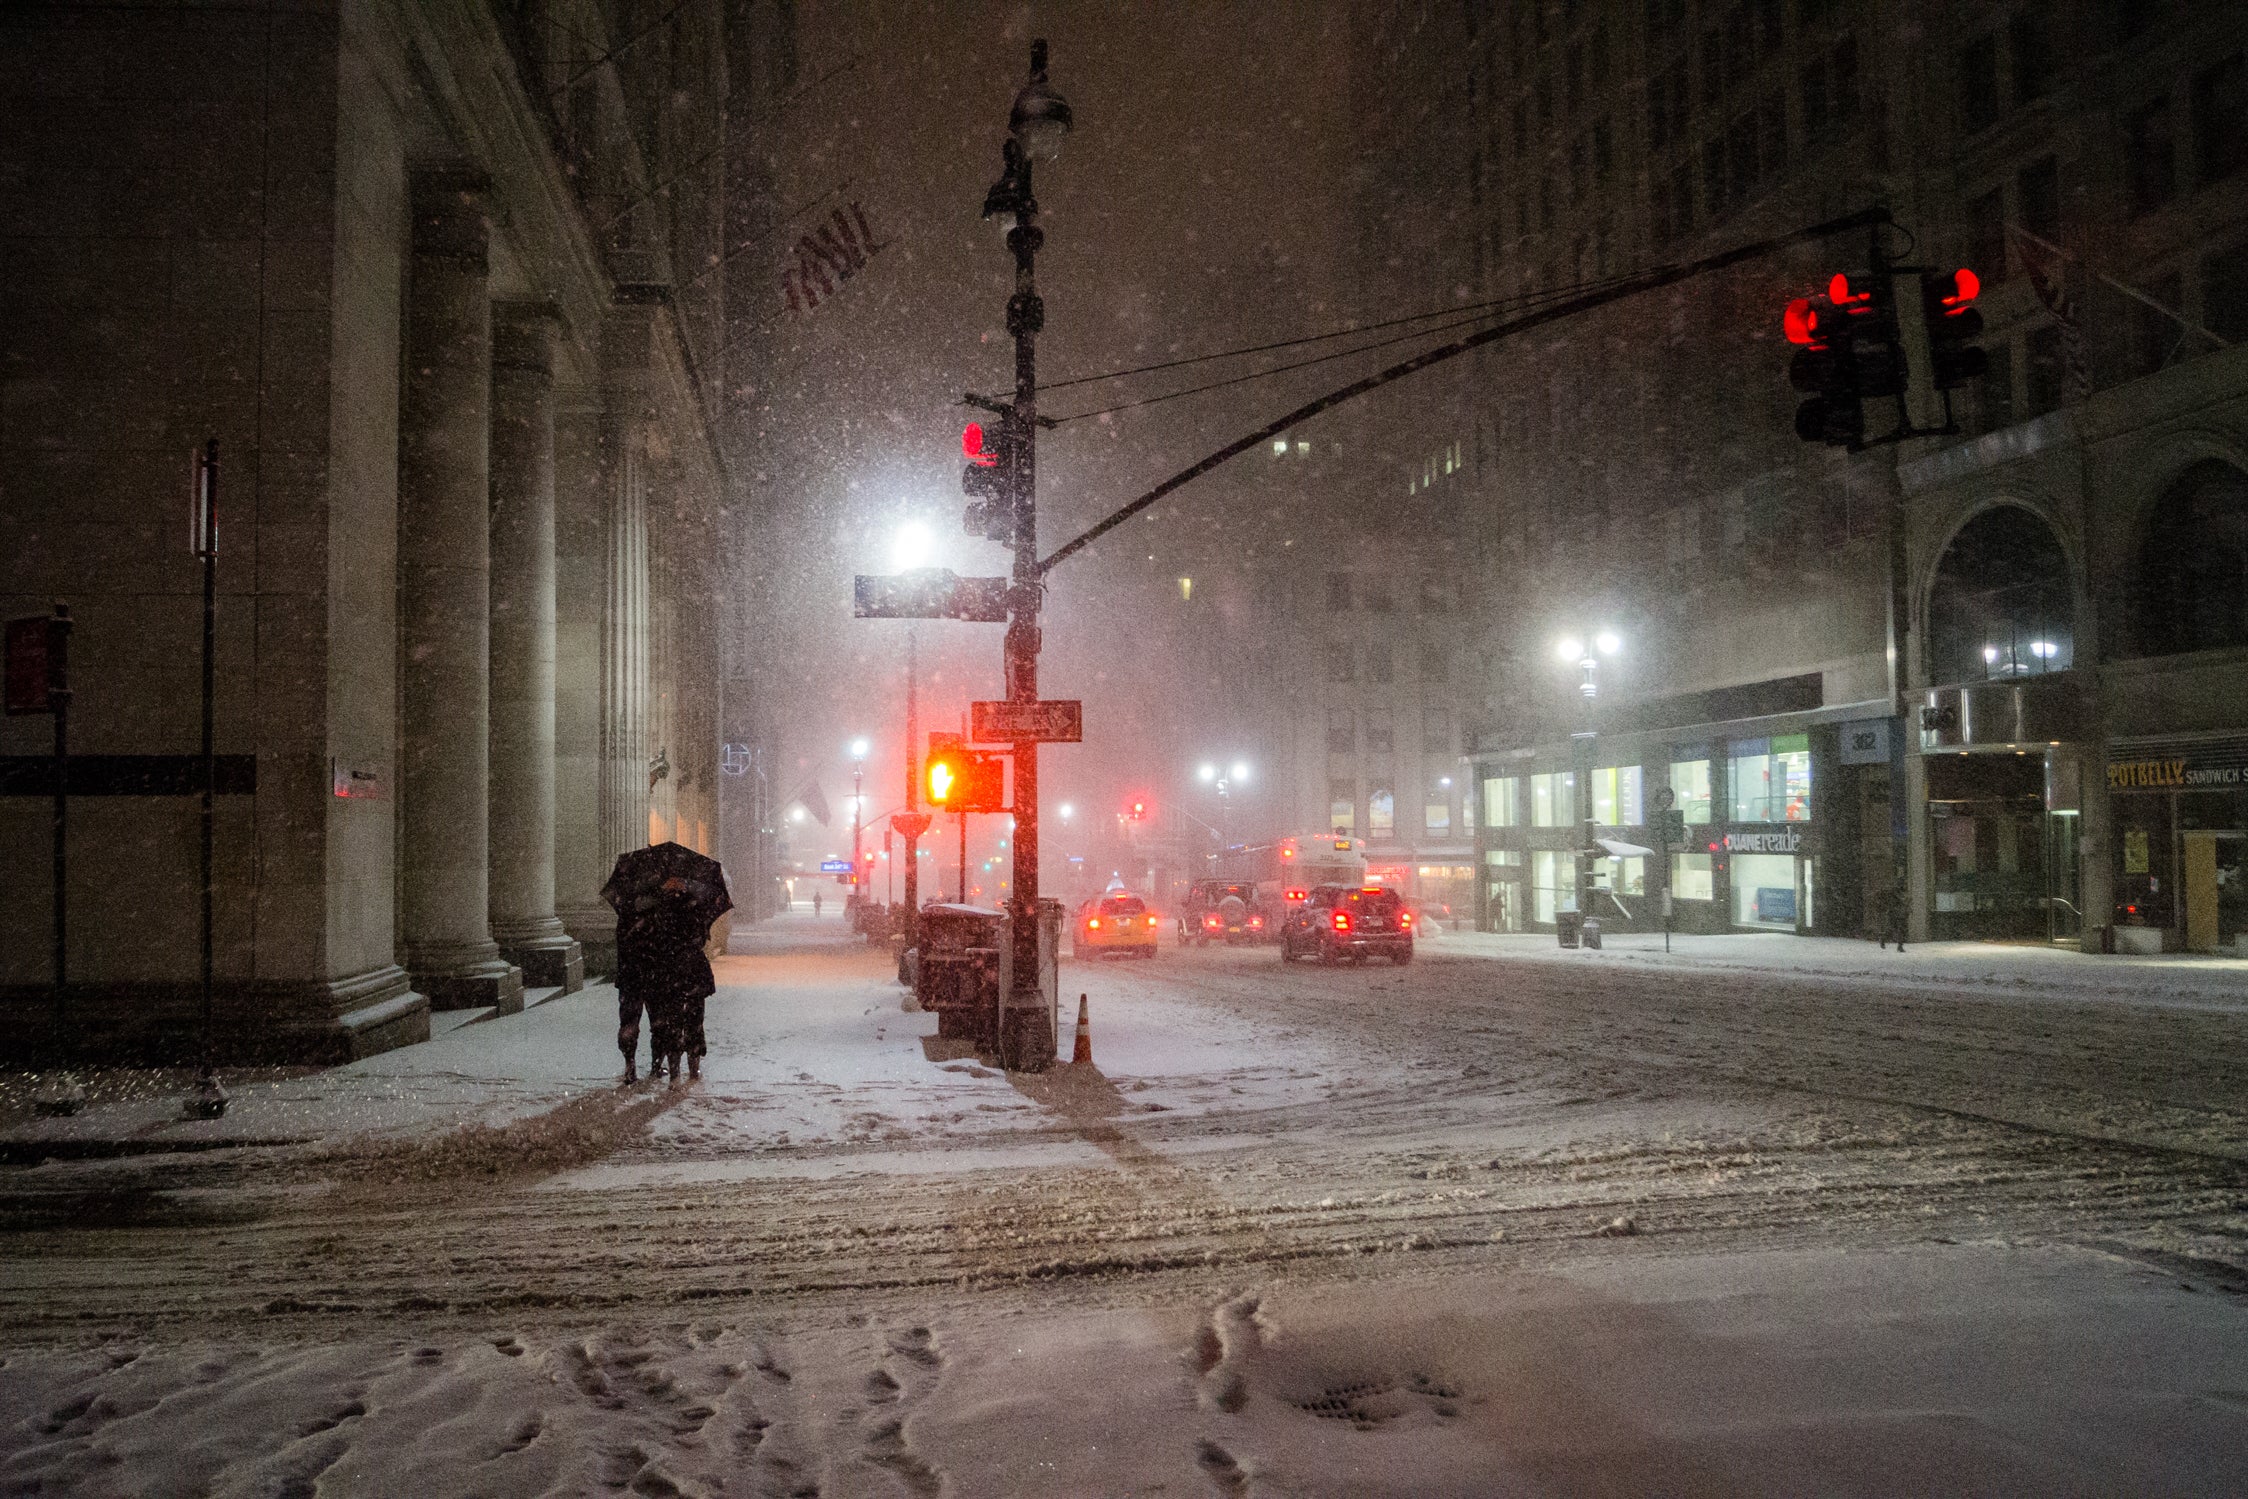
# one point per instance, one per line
(2158, 339)
(1553, 799)
(1502, 802)
(2220, 119)
(1689, 788)
(2224, 293)
(1339, 664)
(1436, 814)
(2038, 197)
(1380, 662)
(2150, 165)
(2047, 369)
(1338, 593)
(1381, 813)
(1342, 735)
(2030, 50)
(1995, 391)
(1553, 883)
(1690, 877)
(1432, 663)
(1378, 734)
(1842, 72)
(1979, 84)
(1342, 807)
(1771, 779)
(2192, 592)
(2001, 605)
(1986, 236)
(1615, 796)
(1439, 596)
(1436, 731)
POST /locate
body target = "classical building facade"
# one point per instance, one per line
(1992, 676)
(428, 273)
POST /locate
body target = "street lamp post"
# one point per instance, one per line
(1585, 653)
(1036, 126)
(858, 817)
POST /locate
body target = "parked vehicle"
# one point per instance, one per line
(1348, 921)
(1115, 921)
(1229, 911)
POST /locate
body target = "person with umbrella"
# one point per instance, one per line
(665, 898)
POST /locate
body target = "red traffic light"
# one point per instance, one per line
(972, 444)
(1801, 322)
(1956, 292)
(1852, 294)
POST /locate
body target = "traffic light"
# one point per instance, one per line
(990, 479)
(1135, 810)
(1947, 303)
(1846, 353)
(958, 779)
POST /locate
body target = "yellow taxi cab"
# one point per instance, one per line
(1115, 921)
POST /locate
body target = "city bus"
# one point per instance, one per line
(1287, 867)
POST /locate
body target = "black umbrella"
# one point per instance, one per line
(643, 881)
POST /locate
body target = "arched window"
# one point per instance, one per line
(2001, 606)
(1381, 813)
(2192, 592)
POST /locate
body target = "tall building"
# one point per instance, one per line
(1992, 675)
(427, 275)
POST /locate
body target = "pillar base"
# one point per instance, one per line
(467, 977)
(549, 956)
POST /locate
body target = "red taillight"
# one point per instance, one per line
(1213, 921)
(1094, 924)
(1296, 894)
(1256, 923)
(1404, 918)
(1342, 921)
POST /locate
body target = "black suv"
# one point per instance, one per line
(1221, 911)
(1348, 921)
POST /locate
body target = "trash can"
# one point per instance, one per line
(1592, 932)
(959, 968)
(1567, 925)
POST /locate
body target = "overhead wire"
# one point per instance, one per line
(1497, 307)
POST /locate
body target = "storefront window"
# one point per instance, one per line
(1502, 803)
(1615, 796)
(1690, 877)
(1624, 876)
(1764, 890)
(1771, 779)
(1689, 783)
(1381, 813)
(1553, 883)
(1436, 814)
(1553, 799)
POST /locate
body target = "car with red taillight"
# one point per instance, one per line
(1222, 911)
(1356, 922)
(1115, 921)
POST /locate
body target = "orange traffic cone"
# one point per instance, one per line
(1084, 1052)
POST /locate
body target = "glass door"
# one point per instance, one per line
(2064, 906)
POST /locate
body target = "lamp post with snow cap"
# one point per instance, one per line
(1037, 123)
(859, 748)
(1585, 652)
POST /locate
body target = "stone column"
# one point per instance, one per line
(444, 604)
(581, 854)
(523, 570)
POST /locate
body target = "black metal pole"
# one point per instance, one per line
(913, 822)
(207, 543)
(58, 700)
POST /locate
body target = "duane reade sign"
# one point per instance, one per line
(1785, 841)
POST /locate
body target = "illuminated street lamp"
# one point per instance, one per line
(859, 748)
(1585, 653)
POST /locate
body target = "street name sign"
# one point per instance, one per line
(930, 593)
(1054, 721)
(835, 866)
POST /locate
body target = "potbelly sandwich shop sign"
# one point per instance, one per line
(2209, 767)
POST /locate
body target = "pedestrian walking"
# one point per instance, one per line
(815, 903)
(665, 898)
(1894, 904)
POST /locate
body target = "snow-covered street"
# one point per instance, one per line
(1495, 1222)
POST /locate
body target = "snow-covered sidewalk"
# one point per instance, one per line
(2001, 967)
